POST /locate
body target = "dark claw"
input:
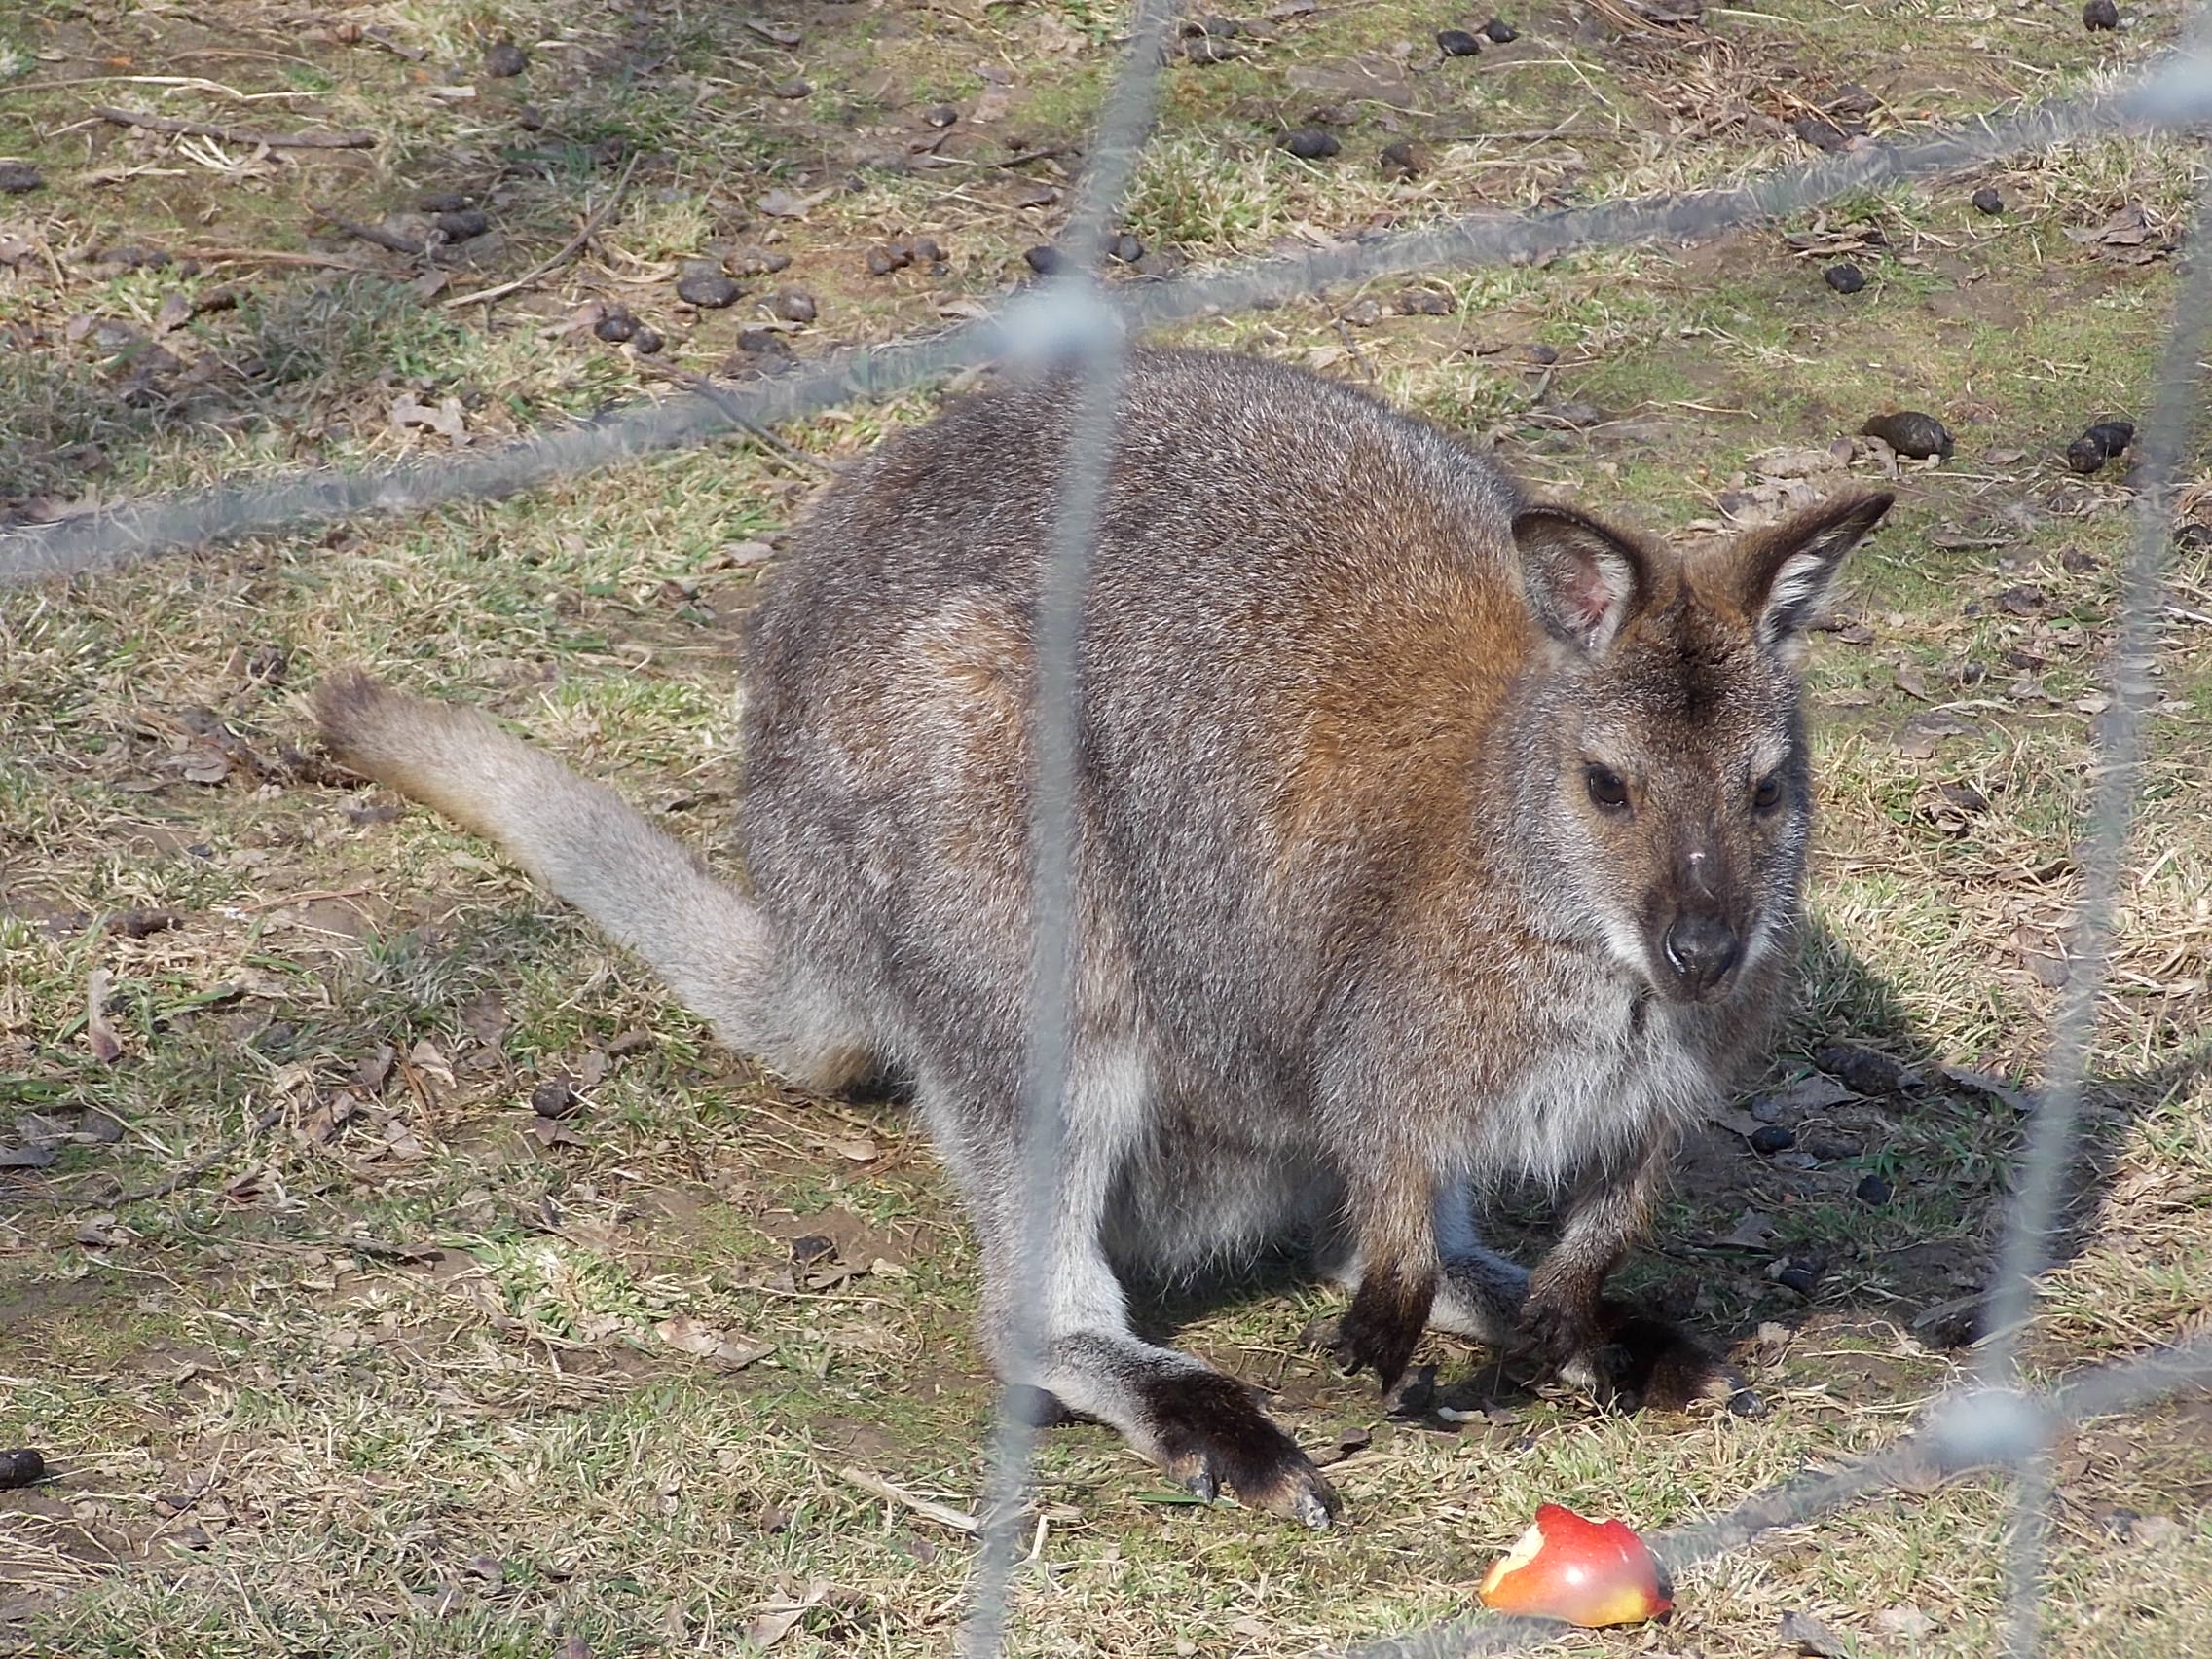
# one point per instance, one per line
(1204, 1484)
(1308, 1509)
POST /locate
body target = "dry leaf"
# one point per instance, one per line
(175, 312)
(446, 420)
(99, 1035)
(782, 205)
(703, 1341)
(424, 1056)
(859, 1148)
(1751, 1231)
(780, 1617)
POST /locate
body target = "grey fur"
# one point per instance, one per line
(1357, 942)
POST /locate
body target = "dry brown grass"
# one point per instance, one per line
(376, 1366)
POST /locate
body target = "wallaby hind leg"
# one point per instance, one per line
(1201, 1426)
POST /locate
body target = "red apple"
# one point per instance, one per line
(1587, 1572)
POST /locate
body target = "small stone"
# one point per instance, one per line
(2078, 562)
(1403, 160)
(1542, 355)
(1912, 434)
(793, 305)
(18, 178)
(812, 1247)
(1770, 1138)
(1866, 1071)
(1457, 43)
(1987, 200)
(1799, 1274)
(1046, 260)
(940, 115)
(645, 342)
(883, 261)
(2100, 15)
(1125, 248)
(2098, 444)
(788, 90)
(443, 201)
(1821, 133)
(1422, 302)
(1573, 414)
(555, 1098)
(137, 924)
(765, 348)
(1311, 143)
(505, 61)
(1844, 278)
(707, 288)
(21, 1468)
(617, 326)
(529, 118)
(1499, 31)
(2116, 1522)
(1873, 1189)
(2154, 1532)
(464, 226)
(1813, 1638)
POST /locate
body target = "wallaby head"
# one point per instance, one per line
(1661, 754)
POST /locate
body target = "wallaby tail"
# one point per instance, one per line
(704, 938)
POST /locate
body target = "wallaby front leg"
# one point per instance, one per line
(1391, 1201)
(1600, 1344)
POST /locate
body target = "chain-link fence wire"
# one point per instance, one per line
(1073, 325)
(1066, 327)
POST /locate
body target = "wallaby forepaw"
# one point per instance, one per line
(1379, 1333)
(1630, 1361)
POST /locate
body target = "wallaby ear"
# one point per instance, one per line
(1583, 582)
(1783, 572)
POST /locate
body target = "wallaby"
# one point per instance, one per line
(1430, 839)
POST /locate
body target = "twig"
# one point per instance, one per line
(200, 1166)
(236, 135)
(384, 38)
(369, 232)
(944, 1514)
(721, 398)
(277, 256)
(484, 296)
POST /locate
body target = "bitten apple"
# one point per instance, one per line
(1587, 1572)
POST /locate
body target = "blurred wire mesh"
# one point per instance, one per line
(1074, 323)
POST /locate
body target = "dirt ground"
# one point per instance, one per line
(335, 1346)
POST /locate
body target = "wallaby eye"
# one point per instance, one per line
(1606, 791)
(1767, 794)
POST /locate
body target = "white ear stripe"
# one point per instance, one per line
(1797, 586)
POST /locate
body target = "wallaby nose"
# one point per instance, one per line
(1701, 949)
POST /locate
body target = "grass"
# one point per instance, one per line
(389, 1373)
